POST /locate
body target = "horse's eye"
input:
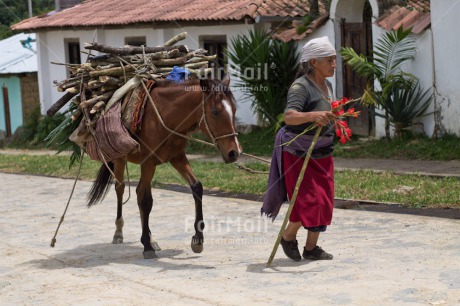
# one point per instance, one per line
(214, 112)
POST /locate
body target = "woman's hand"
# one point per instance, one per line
(320, 118)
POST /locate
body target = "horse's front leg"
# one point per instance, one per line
(182, 165)
(145, 203)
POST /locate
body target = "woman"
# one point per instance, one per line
(308, 103)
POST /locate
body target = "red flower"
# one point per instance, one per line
(348, 131)
(342, 131)
(338, 132)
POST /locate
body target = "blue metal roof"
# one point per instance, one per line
(18, 54)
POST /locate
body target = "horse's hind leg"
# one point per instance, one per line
(145, 202)
(119, 170)
(182, 165)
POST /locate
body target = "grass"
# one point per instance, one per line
(260, 142)
(410, 190)
(410, 147)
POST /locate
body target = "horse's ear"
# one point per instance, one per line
(226, 80)
(205, 85)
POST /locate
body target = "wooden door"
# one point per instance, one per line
(355, 35)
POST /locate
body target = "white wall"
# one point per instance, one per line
(423, 69)
(51, 49)
(445, 25)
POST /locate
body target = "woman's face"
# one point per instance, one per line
(324, 66)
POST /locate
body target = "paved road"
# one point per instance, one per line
(380, 258)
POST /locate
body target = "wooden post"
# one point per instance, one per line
(6, 107)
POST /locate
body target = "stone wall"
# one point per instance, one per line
(29, 93)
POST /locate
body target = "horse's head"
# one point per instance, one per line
(218, 121)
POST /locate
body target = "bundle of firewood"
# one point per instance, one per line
(106, 77)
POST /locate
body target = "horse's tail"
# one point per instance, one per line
(101, 185)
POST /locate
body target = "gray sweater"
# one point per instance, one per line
(304, 96)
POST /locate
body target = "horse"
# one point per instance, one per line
(207, 105)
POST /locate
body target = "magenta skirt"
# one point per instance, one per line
(315, 200)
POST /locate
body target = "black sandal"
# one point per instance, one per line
(316, 254)
(291, 249)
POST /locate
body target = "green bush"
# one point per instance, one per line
(274, 65)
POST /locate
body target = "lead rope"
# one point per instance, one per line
(53, 240)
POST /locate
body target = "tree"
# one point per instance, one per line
(13, 11)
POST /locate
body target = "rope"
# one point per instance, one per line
(240, 166)
(129, 184)
(256, 157)
(53, 240)
(167, 128)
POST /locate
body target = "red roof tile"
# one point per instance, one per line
(121, 12)
(291, 34)
(415, 15)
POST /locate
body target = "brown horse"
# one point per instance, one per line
(206, 105)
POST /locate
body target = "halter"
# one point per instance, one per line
(203, 119)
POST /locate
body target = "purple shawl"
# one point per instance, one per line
(276, 193)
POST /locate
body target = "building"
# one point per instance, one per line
(18, 81)
(212, 24)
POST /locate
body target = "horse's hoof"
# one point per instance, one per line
(197, 248)
(155, 245)
(150, 254)
(117, 240)
(197, 245)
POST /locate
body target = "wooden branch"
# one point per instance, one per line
(131, 84)
(73, 90)
(197, 65)
(63, 87)
(93, 101)
(175, 39)
(202, 58)
(110, 81)
(118, 71)
(76, 100)
(131, 50)
(97, 107)
(173, 61)
(60, 103)
(76, 114)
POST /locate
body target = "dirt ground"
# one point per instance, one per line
(379, 258)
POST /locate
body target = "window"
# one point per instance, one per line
(136, 41)
(216, 46)
(73, 51)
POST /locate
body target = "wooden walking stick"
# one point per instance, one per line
(294, 196)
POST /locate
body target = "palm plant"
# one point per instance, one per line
(397, 87)
(404, 104)
(266, 68)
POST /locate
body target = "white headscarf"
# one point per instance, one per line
(318, 47)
